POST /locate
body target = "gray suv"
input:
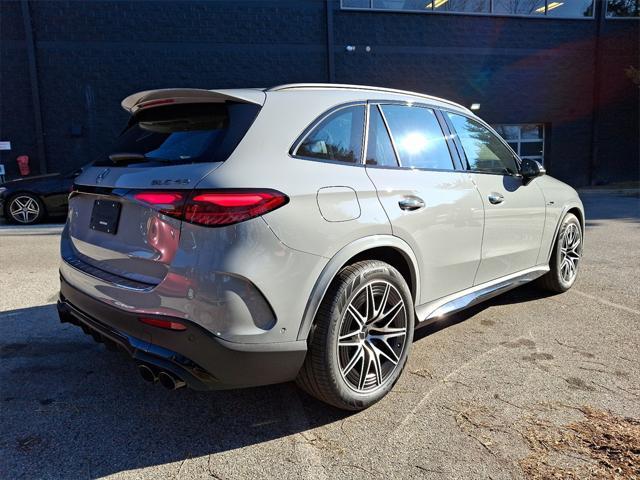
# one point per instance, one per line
(247, 237)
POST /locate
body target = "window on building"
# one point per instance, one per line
(337, 138)
(623, 8)
(462, 6)
(527, 140)
(485, 152)
(534, 8)
(418, 137)
(570, 9)
(519, 7)
(379, 148)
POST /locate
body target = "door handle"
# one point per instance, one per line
(411, 203)
(495, 198)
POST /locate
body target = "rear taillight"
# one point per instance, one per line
(228, 207)
(169, 203)
(214, 208)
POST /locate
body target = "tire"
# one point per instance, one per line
(561, 275)
(372, 354)
(24, 209)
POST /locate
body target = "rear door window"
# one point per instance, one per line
(379, 147)
(337, 138)
(418, 137)
(184, 133)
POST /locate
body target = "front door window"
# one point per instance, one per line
(485, 152)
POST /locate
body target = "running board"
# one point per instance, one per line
(471, 296)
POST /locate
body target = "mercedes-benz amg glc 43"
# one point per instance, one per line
(246, 237)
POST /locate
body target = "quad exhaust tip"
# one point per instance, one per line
(170, 382)
(147, 374)
(166, 379)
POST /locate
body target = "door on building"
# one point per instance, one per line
(514, 212)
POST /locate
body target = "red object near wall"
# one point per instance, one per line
(23, 165)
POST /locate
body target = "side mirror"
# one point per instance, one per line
(531, 169)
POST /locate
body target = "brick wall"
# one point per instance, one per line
(92, 54)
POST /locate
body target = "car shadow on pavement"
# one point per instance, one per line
(69, 408)
(523, 294)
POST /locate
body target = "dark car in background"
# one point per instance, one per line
(32, 199)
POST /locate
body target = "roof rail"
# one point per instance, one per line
(293, 86)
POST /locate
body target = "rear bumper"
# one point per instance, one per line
(195, 355)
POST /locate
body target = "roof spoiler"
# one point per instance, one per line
(150, 98)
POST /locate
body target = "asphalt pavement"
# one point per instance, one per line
(481, 396)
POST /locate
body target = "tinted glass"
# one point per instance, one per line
(519, 7)
(355, 3)
(485, 152)
(183, 133)
(528, 149)
(379, 147)
(402, 5)
(574, 9)
(418, 137)
(623, 8)
(338, 137)
(532, 132)
(508, 132)
(473, 6)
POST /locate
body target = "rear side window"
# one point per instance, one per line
(337, 138)
(485, 151)
(418, 137)
(379, 147)
(184, 133)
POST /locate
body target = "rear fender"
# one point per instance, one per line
(340, 259)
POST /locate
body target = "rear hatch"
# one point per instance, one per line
(126, 209)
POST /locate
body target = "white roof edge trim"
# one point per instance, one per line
(344, 86)
(194, 95)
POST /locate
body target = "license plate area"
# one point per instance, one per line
(105, 215)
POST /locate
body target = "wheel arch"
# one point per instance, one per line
(578, 213)
(577, 210)
(386, 248)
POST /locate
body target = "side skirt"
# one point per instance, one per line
(434, 310)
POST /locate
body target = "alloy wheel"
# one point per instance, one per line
(570, 250)
(24, 209)
(372, 338)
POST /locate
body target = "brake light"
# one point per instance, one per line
(215, 208)
(169, 203)
(229, 207)
(162, 323)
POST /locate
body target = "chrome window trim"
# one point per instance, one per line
(365, 146)
(370, 8)
(307, 131)
(487, 126)
(434, 109)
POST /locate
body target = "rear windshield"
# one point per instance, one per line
(184, 133)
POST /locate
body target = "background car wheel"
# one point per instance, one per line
(565, 260)
(361, 337)
(24, 208)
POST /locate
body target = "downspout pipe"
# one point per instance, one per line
(35, 88)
